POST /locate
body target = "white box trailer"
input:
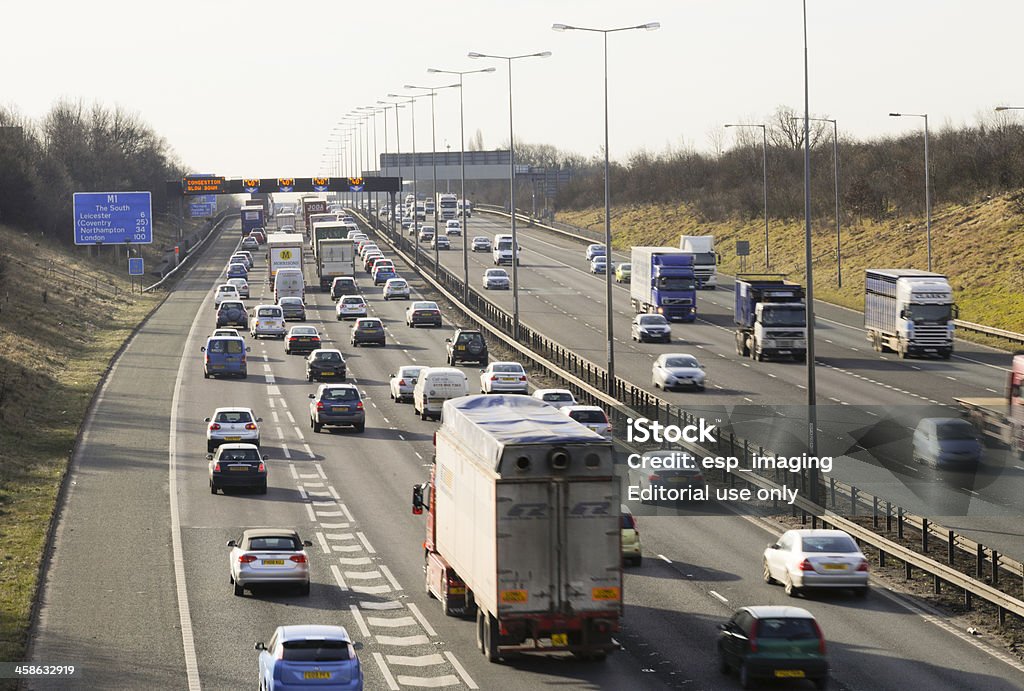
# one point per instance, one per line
(524, 526)
(909, 311)
(284, 250)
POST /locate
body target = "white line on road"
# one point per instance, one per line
(390, 622)
(468, 680)
(274, 415)
(320, 470)
(291, 418)
(285, 451)
(312, 515)
(416, 660)
(366, 543)
(718, 597)
(664, 559)
(358, 616)
(417, 639)
(323, 543)
(422, 619)
(344, 510)
(384, 604)
(295, 473)
(392, 684)
(390, 576)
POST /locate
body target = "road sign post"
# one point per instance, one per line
(113, 218)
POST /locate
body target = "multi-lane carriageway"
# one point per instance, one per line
(137, 591)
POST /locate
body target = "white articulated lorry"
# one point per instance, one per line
(523, 527)
(705, 259)
(908, 311)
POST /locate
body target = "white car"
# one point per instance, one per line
(350, 307)
(481, 243)
(677, 370)
(367, 247)
(496, 279)
(504, 377)
(226, 333)
(403, 382)
(556, 398)
(426, 233)
(396, 288)
(590, 416)
(242, 285)
(816, 559)
(225, 291)
(440, 242)
(453, 227)
(232, 425)
(269, 556)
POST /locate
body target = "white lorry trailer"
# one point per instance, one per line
(705, 259)
(523, 527)
(908, 311)
(284, 250)
(336, 258)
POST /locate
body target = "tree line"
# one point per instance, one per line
(76, 147)
(878, 178)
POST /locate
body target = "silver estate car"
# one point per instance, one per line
(269, 556)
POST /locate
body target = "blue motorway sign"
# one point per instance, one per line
(136, 266)
(113, 218)
(202, 210)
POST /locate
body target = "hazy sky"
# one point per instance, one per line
(254, 88)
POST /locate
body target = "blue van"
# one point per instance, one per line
(225, 356)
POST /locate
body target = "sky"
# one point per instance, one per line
(255, 88)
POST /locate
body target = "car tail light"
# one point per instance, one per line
(216, 467)
(753, 636)
(821, 638)
(359, 405)
(214, 426)
(654, 478)
(453, 582)
(806, 565)
(298, 558)
(863, 566)
(401, 382)
(246, 559)
(262, 468)
(494, 378)
(522, 378)
(251, 426)
(292, 338)
(319, 405)
(207, 359)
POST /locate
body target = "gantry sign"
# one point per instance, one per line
(213, 184)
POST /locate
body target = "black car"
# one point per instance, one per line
(343, 285)
(301, 339)
(368, 330)
(468, 345)
(292, 308)
(326, 363)
(237, 465)
(232, 313)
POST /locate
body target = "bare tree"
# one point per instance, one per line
(787, 129)
(476, 142)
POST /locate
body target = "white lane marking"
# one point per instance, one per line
(298, 433)
(466, 679)
(392, 684)
(371, 589)
(391, 577)
(273, 414)
(390, 622)
(320, 469)
(339, 536)
(358, 616)
(309, 451)
(318, 494)
(421, 619)
(312, 515)
(181, 588)
(384, 604)
(664, 559)
(267, 368)
(344, 510)
(308, 476)
(269, 378)
(331, 514)
(354, 561)
(334, 526)
(334, 492)
(295, 473)
(416, 660)
(417, 639)
(270, 402)
(347, 548)
(366, 543)
(291, 418)
(718, 597)
(428, 682)
(284, 403)
(302, 493)
(330, 502)
(287, 453)
(311, 484)
(337, 577)
(362, 575)
(323, 543)
(280, 432)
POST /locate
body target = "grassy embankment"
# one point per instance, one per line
(980, 246)
(56, 340)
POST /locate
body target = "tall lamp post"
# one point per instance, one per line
(462, 162)
(398, 158)
(415, 196)
(764, 175)
(650, 26)
(432, 90)
(512, 180)
(835, 168)
(927, 181)
(812, 390)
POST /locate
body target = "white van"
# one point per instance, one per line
(289, 283)
(435, 386)
(501, 251)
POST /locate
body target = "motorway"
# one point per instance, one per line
(137, 591)
(864, 397)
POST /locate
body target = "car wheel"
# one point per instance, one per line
(638, 561)
(213, 487)
(304, 590)
(309, 376)
(206, 375)
(766, 574)
(210, 447)
(723, 664)
(239, 590)
(315, 425)
(361, 428)
(821, 683)
(339, 317)
(791, 590)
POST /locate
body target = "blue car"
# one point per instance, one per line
(383, 275)
(309, 656)
(238, 270)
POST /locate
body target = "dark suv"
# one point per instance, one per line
(232, 313)
(467, 345)
(343, 285)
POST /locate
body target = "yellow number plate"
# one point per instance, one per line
(604, 594)
(789, 673)
(456, 590)
(316, 675)
(273, 562)
(514, 596)
(835, 567)
(560, 640)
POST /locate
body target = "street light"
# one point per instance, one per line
(835, 161)
(462, 162)
(398, 157)
(511, 181)
(650, 26)
(927, 181)
(415, 194)
(433, 159)
(764, 173)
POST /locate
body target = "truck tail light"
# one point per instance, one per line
(298, 558)
(246, 559)
(214, 426)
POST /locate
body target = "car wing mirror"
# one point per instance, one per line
(447, 340)
(259, 419)
(266, 457)
(206, 419)
(417, 499)
(307, 543)
(312, 395)
(260, 645)
(232, 543)
(773, 546)
(209, 456)
(358, 645)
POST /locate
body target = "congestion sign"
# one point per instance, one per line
(204, 184)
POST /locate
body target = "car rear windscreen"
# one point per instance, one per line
(591, 416)
(234, 416)
(788, 629)
(840, 543)
(274, 543)
(239, 455)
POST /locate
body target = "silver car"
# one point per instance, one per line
(496, 279)
(232, 425)
(816, 559)
(481, 243)
(350, 307)
(504, 377)
(267, 320)
(403, 382)
(556, 398)
(678, 370)
(396, 288)
(242, 285)
(650, 327)
(269, 556)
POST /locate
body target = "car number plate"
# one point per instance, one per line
(327, 374)
(784, 351)
(789, 673)
(232, 438)
(461, 347)
(273, 562)
(835, 567)
(339, 409)
(304, 339)
(560, 640)
(507, 379)
(456, 590)
(316, 675)
(242, 468)
(218, 367)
